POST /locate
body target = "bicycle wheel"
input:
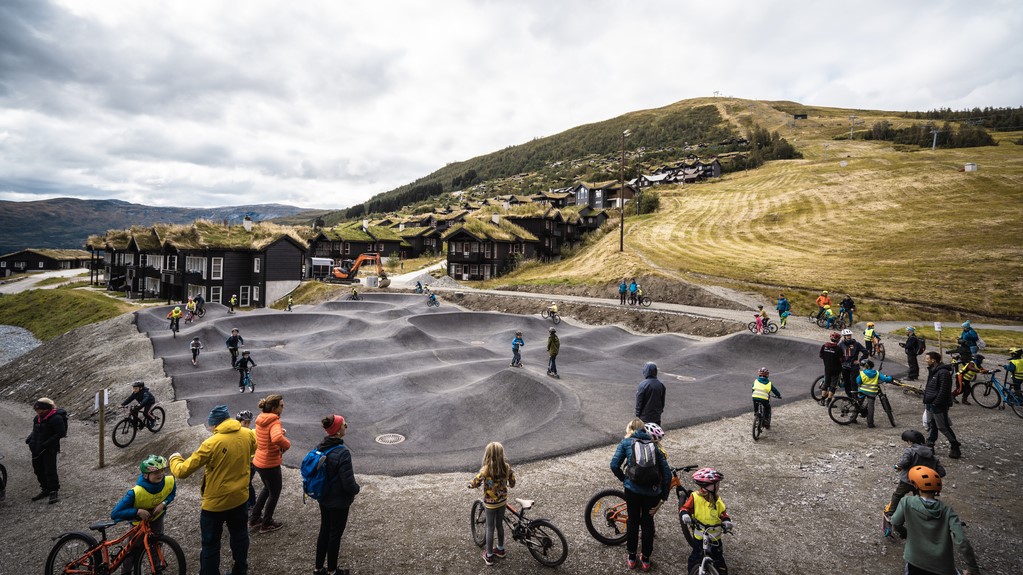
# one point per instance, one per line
(68, 555)
(606, 515)
(156, 423)
(546, 543)
(201, 312)
(557, 318)
(545, 314)
(1016, 401)
(752, 327)
(843, 410)
(880, 351)
(822, 321)
(817, 388)
(887, 405)
(478, 523)
(165, 557)
(758, 424)
(772, 327)
(124, 432)
(3, 481)
(985, 395)
(645, 301)
(702, 570)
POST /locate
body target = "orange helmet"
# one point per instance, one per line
(925, 479)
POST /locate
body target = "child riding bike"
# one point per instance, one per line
(706, 509)
(870, 381)
(1014, 368)
(762, 390)
(190, 310)
(175, 318)
(147, 500)
(146, 400)
(244, 366)
(196, 346)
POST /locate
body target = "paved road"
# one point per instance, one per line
(31, 280)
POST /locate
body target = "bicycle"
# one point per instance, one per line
(606, 512)
(555, 316)
(353, 297)
(189, 316)
(79, 552)
(3, 481)
(642, 300)
(125, 430)
(907, 388)
(993, 393)
(845, 410)
(545, 542)
(759, 419)
(710, 535)
(247, 382)
(837, 324)
(175, 326)
(769, 327)
(200, 311)
(432, 302)
(877, 350)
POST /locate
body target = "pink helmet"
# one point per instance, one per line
(763, 372)
(707, 476)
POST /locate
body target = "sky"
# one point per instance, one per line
(322, 104)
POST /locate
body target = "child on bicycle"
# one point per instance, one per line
(291, 302)
(232, 302)
(196, 346)
(232, 345)
(552, 309)
(174, 316)
(433, 299)
(189, 310)
(146, 400)
(148, 499)
(706, 508)
(1014, 367)
(869, 337)
(916, 453)
(933, 529)
(244, 366)
(870, 381)
(829, 316)
(761, 318)
(968, 372)
(355, 293)
(762, 390)
(496, 476)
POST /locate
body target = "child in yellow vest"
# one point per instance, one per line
(870, 381)
(762, 390)
(706, 508)
(147, 500)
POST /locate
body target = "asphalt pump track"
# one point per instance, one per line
(436, 385)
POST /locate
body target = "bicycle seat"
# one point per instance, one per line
(525, 503)
(101, 525)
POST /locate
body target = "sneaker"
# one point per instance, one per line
(630, 561)
(258, 522)
(252, 389)
(271, 527)
(644, 564)
(499, 553)
(487, 558)
(42, 495)
(53, 498)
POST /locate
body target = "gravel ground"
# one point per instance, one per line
(15, 342)
(805, 498)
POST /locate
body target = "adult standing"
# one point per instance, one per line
(912, 348)
(650, 396)
(937, 400)
(270, 447)
(339, 493)
(783, 305)
(553, 347)
(48, 427)
(632, 291)
(852, 352)
(970, 338)
(831, 354)
(641, 500)
(622, 290)
(225, 491)
(847, 306)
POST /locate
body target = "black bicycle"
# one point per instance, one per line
(125, 430)
(545, 542)
(711, 536)
(759, 419)
(3, 481)
(845, 410)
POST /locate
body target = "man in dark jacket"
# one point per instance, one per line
(937, 400)
(650, 396)
(48, 427)
(832, 356)
(852, 352)
(912, 348)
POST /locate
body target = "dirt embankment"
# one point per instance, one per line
(659, 288)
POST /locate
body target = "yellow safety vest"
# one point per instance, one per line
(868, 335)
(706, 512)
(869, 385)
(968, 374)
(146, 500)
(1018, 365)
(761, 390)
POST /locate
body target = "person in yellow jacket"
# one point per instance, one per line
(175, 318)
(869, 337)
(707, 510)
(147, 500)
(870, 381)
(762, 390)
(225, 492)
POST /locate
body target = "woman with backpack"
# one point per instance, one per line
(335, 495)
(647, 480)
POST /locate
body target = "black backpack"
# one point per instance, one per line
(921, 345)
(642, 468)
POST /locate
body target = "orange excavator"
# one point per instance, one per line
(347, 270)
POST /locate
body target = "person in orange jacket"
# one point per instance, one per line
(822, 300)
(270, 447)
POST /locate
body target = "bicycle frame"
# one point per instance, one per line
(710, 535)
(132, 538)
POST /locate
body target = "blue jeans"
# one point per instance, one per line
(552, 366)
(516, 357)
(211, 526)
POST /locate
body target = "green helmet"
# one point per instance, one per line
(153, 463)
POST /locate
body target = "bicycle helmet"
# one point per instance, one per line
(763, 372)
(139, 383)
(152, 463)
(552, 330)
(870, 324)
(912, 436)
(846, 332)
(868, 364)
(925, 479)
(1015, 351)
(707, 476)
(825, 292)
(245, 415)
(760, 307)
(827, 306)
(978, 359)
(177, 308)
(654, 431)
(518, 333)
(835, 336)
(910, 329)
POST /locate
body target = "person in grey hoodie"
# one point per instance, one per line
(917, 453)
(650, 396)
(934, 530)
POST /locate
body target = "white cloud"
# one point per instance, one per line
(324, 104)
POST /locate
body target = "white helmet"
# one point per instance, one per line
(846, 332)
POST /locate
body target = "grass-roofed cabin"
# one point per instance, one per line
(112, 247)
(259, 263)
(43, 259)
(543, 221)
(480, 249)
(418, 240)
(346, 241)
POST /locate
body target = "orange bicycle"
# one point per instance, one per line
(606, 513)
(80, 553)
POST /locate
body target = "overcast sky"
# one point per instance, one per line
(325, 103)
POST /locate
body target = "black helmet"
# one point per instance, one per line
(868, 364)
(912, 436)
(978, 359)
(138, 383)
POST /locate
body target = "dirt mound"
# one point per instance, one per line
(657, 287)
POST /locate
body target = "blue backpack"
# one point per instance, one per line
(314, 472)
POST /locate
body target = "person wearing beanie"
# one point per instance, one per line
(338, 494)
(225, 457)
(48, 427)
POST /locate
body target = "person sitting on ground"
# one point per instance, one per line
(869, 381)
(153, 492)
(145, 398)
(762, 390)
(1014, 367)
(933, 529)
(916, 453)
(706, 508)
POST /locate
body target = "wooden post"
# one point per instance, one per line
(937, 328)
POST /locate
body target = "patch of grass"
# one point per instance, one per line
(998, 340)
(50, 313)
(413, 264)
(313, 292)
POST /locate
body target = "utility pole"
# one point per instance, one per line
(934, 142)
(621, 198)
(852, 122)
(825, 152)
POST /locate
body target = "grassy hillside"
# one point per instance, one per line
(897, 225)
(48, 313)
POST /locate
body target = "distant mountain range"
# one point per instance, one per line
(67, 222)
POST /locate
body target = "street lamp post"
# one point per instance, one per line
(621, 198)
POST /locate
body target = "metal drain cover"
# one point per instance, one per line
(390, 438)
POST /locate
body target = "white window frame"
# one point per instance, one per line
(40, 265)
(196, 264)
(255, 293)
(244, 295)
(192, 290)
(215, 294)
(255, 265)
(348, 248)
(3, 264)
(217, 269)
(152, 285)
